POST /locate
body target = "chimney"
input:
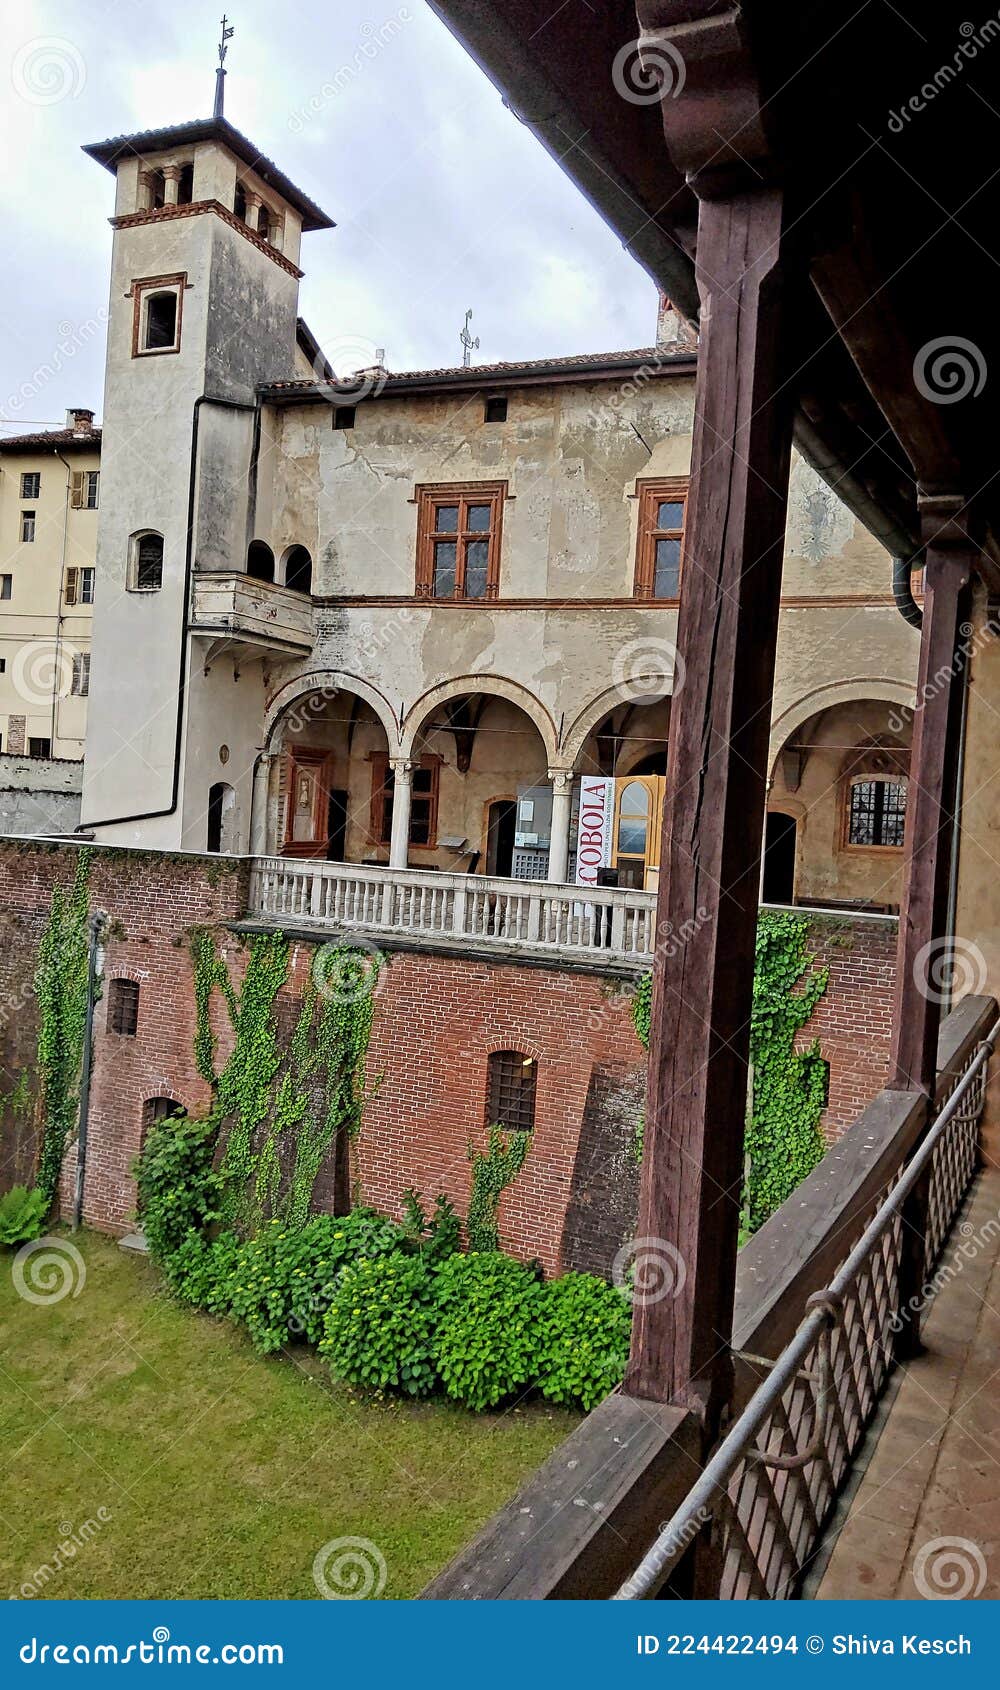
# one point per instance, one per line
(673, 332)
(81, 422)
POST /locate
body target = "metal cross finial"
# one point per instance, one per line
(468, 344)
(220, 74)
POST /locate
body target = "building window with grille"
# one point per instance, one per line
(31, 484)
(660, 539)
(27, 526)
(81, 674)
(85, 489)
(123, 1007)
(423, 801)
(145, 564)
(458, 540)
(510, 1090)
(79, 586)
(876, 815)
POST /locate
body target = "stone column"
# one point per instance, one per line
(253, 205)
(402, 793)
(259, 804)
(171, 180)
(562, 803)
(145, 190)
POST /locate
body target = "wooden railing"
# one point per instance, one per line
(819, 1310)
(519, 917)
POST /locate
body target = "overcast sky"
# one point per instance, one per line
(442, 199)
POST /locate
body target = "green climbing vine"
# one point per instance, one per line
(61, 992)
(783, 1140)
(493, 1170)
(299, 1098)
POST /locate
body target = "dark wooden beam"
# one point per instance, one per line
(717, 764)
(941, 681)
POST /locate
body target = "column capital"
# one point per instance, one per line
(171, 172)
(402, 767)
(562, 780)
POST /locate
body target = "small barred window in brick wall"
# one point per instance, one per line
(123, 1007)
(510, 1090)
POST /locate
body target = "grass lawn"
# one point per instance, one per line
(223, 1474)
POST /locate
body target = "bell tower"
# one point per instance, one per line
(203, 308)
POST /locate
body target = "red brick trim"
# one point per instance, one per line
(195, 208)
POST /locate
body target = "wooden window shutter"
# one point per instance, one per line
(76, 489)
(72, 585)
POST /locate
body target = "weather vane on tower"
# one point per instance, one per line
(220, 75)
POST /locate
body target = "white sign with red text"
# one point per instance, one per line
(593, 834)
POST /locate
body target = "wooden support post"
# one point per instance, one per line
(720, 720)
(925, 944)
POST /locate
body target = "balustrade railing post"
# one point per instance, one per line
(458, 907)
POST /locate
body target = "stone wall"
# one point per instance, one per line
(436, 1020)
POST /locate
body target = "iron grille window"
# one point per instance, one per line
(510, 1090)
(31, 484)
(878, 812)
(123, 1007)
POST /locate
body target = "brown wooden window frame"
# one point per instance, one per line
(650, 495)
(380, 824)
(511, 1090)
(463, 494)
(144, 286)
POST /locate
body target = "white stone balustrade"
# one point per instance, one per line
(468, 911)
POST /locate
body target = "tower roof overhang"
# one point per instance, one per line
(110, 153)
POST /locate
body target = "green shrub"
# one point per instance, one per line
(179, 1189)
(203, 1273)
(22, 1214)
(380, 1326)
(438, 1237)
(287, 1276)
(583, 1347)
(488, 1327)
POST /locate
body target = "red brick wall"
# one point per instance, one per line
(437, 1018)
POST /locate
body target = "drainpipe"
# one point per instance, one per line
(95, 963)
(59, 600)
(902, 592)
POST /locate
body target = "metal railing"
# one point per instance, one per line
(767, 1490)
(516, 916)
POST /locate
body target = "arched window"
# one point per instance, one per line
(298, 570)
(510, 1090)
(260, 561)
(240, 201)
(145, 567)
(221, 814)
(158, 1109)
(185, 185)
(876, 812)
(264, 221)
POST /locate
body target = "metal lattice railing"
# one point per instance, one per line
(767, 1491)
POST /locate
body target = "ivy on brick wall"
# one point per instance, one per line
(783, 1139)
(285, 1105)
(493, 1170)
(61, 992)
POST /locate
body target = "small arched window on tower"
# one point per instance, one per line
(264, 221)
(260, 561)
(240, 201)
(221, 817)
(145, 568)
(185, 185)
(510, 1090)
(298, 570)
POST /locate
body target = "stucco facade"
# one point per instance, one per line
(354, 710)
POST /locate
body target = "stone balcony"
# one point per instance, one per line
(237, 610)
(609, 930)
